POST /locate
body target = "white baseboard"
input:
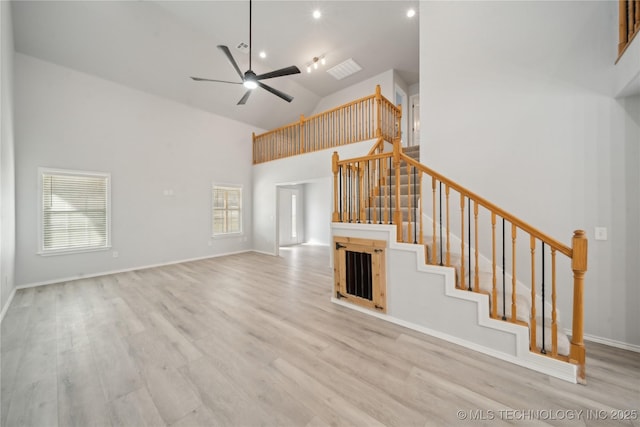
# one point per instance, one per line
(608, 341)
(106, 273)
(7, 304)
(612, 343)
(263, 252)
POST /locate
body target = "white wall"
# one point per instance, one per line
(357, 91)
(304, 168)
(517, 104)
(317, 211)
(66, 119)
(627, 237)
(7, 159)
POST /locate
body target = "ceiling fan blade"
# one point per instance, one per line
(244, 97)
(200, 79)
(281, 72)
(227, 52)
(276, 92)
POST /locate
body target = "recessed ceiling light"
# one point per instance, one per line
(317, 14)
(411, 13)
(263, 54)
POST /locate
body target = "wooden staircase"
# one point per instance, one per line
(466, 275)
(392, 187)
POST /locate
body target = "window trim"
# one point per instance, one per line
(71, 172)
(215, 185)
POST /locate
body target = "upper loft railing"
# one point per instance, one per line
(629, 15)
(367, 118)
(389, 187)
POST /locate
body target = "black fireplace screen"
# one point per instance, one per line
(358, 274)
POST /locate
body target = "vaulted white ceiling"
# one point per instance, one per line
(154, 46)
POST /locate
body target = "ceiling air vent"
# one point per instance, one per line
(344, 69)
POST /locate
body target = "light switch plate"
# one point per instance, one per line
(601, 233)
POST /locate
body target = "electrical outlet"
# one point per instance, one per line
(601, 233)
(115, 254)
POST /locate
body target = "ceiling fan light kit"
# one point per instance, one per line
(249, 79)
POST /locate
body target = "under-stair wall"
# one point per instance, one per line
(425, 298)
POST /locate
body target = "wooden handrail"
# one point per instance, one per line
(366, 118)
(492, 207)
(629, 23)
(365, 158)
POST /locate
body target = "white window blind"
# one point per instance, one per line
(227, 210)
(75, 211)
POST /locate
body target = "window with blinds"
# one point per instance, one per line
(75, 211)
(227, 210)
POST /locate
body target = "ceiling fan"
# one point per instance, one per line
(249, 79)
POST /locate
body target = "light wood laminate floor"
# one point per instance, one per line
(250, 339)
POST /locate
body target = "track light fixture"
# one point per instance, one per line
(315, 62)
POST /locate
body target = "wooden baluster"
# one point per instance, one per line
(448, 255)
(637, 19)
(334, 169)
(384, 177)
(378, 112)
(420, 201)
(532, 319)
(347, 192)
(433, 221)
(494, 289)
(301, 134)
(343, 191)
(476, 276)
(375, 190)
(409, 227)
(354, 122)
(362, 218)
(397, 212)
(579, 267)
(253, 144)
(554, 323)
(358, 123)
(371, 121)
(462, 272)
(353, 193)
(513, 273)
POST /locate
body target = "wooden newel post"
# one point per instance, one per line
(399, 123)
(378, 112)
(397, 213)
(334, 169)
(579, 267)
